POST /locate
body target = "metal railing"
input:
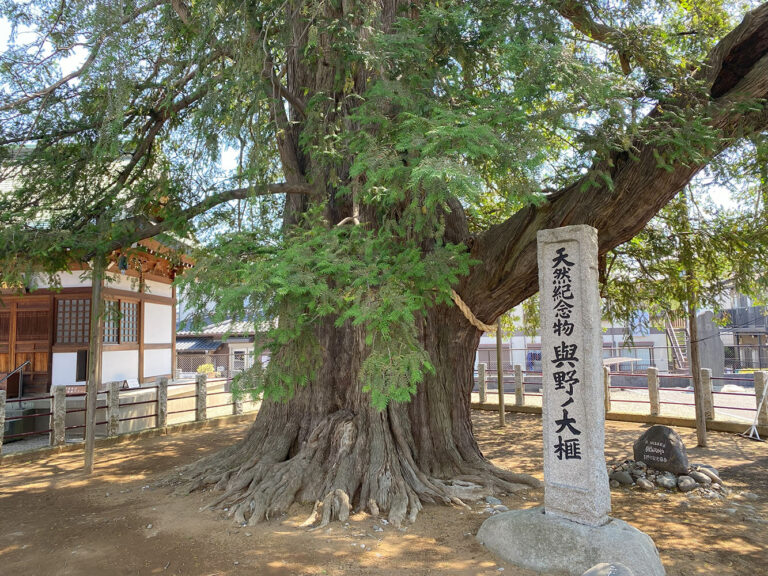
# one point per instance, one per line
(20, 371)
(26, 420)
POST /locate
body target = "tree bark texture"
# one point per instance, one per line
(327, 445)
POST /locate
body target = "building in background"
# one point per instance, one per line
(45, 331)
(226, 348)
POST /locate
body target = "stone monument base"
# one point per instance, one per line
(553, 545)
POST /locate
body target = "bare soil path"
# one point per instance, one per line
(56, 521)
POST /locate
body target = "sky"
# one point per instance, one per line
(719, 195)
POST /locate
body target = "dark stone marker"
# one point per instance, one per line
(660, 447)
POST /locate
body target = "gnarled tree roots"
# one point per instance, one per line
(347, 462)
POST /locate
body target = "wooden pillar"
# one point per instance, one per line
(12, 340)
(173, 332)
(142, 318)
(2, 418)
(95, 341)
(500, 373)
(653, 390)
(607, 388)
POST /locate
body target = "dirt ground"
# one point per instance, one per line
(56, 521)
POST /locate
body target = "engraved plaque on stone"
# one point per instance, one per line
(575, 477)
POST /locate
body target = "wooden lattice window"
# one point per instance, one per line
(32, 325)
(5, 326)
(121, 322)
(129, 324)
(111, 322)
(72, 321)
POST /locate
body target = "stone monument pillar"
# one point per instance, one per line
(573, 409)
(573, 531)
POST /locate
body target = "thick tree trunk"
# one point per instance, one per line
(327, 444)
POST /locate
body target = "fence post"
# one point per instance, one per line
(482, 383)
(607, 388)
(653, 390)
(58, 416)
(706, 386)
(162, 403)
(237, 402)
(761, 381)
(201, 389)
(113, 409)
(2, 418)
(519, 386)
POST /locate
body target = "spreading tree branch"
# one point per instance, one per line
(634, 188)
(140, 227)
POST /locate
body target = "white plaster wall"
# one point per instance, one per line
(67, 279)
(158, 323)
(159, 289)
(119, 365)
(122, 282)
(64, 369)
(157, 363)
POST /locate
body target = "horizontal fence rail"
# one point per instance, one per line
(730, 398)
(62, 415)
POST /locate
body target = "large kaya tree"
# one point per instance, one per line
(393, 158)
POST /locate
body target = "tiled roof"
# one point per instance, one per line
(194, 344)
(221, 328)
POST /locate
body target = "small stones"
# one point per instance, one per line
(622, 477)
(667, 481)
(493, 501)
(699, 481)
(700, 477)
(645, 484)
(686, 483)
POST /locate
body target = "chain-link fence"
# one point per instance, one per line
(215, 365)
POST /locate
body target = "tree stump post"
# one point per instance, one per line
(653, 390)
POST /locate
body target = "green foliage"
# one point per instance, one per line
(692, 254)
(407, 119)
